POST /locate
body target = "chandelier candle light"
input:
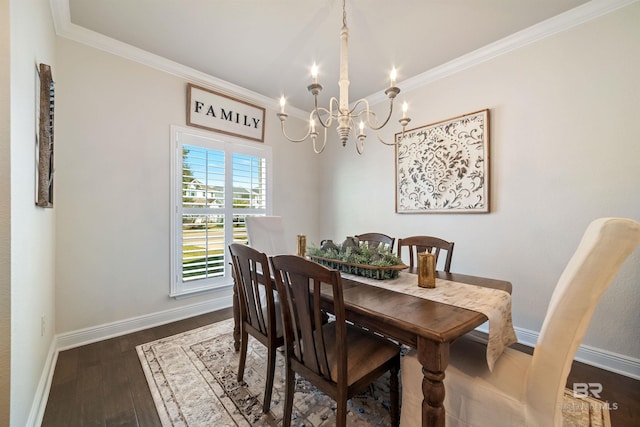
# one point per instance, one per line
(344, 116)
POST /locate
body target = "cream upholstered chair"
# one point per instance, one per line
(266, 234)
(527, 390)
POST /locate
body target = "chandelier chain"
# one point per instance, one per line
(344, 13)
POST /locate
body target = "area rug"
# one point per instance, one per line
(192, 377)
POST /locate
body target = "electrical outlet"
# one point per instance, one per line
(43, 324)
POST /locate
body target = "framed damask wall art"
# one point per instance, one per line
(444, 167)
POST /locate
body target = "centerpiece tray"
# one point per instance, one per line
(364, 270)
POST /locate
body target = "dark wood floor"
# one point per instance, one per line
(102, 384)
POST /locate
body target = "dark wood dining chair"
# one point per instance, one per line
(340, 359)
(252, 277)
(433, 245)
(374, 239)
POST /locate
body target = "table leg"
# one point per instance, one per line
(434, 357)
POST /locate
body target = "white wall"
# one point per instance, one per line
(564, 151)
(32, 228)
(113, 187)
(5, 216)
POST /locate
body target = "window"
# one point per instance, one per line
(216, 185)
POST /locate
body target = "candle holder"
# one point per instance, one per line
(426, 270)
(302, 245)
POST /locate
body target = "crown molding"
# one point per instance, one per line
(65, 28)
(559, 23)
(579, 15)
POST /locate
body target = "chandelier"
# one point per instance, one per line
(339, 111)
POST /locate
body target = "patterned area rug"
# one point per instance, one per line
(192, 377)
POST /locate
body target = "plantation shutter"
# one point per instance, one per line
(219, 185)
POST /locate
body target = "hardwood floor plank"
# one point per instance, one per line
(61, 404)
(63, 390)
(88, 355)
(142, 399)
(110, 349)
(129, 342)
(90, 411)
(119, 408)
(66, 366)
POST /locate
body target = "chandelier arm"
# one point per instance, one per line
(293, 139)
(390, 143)
(386, 120)
(370, 113)
(359, 147)
(355, 106)
(316, 111)
(324, 143)
(334, 101)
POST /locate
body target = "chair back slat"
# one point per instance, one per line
(302, 303)
(252, 275)
(300, 285)
(256, 313)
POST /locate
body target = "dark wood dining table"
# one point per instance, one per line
(428, 326)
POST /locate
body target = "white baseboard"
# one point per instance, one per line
(105, 331)
(39, 403)
(220, 300)
(603, 359)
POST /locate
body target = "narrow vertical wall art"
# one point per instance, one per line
(44, 138)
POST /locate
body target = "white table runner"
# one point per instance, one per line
(493, 303)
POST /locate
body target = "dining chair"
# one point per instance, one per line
(418, 244)
(254, 284)
(266, 234)
(375, 239)
(526, 390)
(339, 358)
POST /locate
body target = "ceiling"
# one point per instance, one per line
(268, 46)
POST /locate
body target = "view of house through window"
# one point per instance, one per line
(219, 184)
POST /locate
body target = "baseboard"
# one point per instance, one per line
(39, 403)
(603, 359)
(222, 299)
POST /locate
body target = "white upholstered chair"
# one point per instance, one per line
(526, 390)
(266, 234)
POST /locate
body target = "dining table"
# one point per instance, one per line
(420, 323)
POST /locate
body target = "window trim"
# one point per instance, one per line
(230, 145)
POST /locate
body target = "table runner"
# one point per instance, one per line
(493, 303)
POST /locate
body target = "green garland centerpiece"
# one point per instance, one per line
(360, 258)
